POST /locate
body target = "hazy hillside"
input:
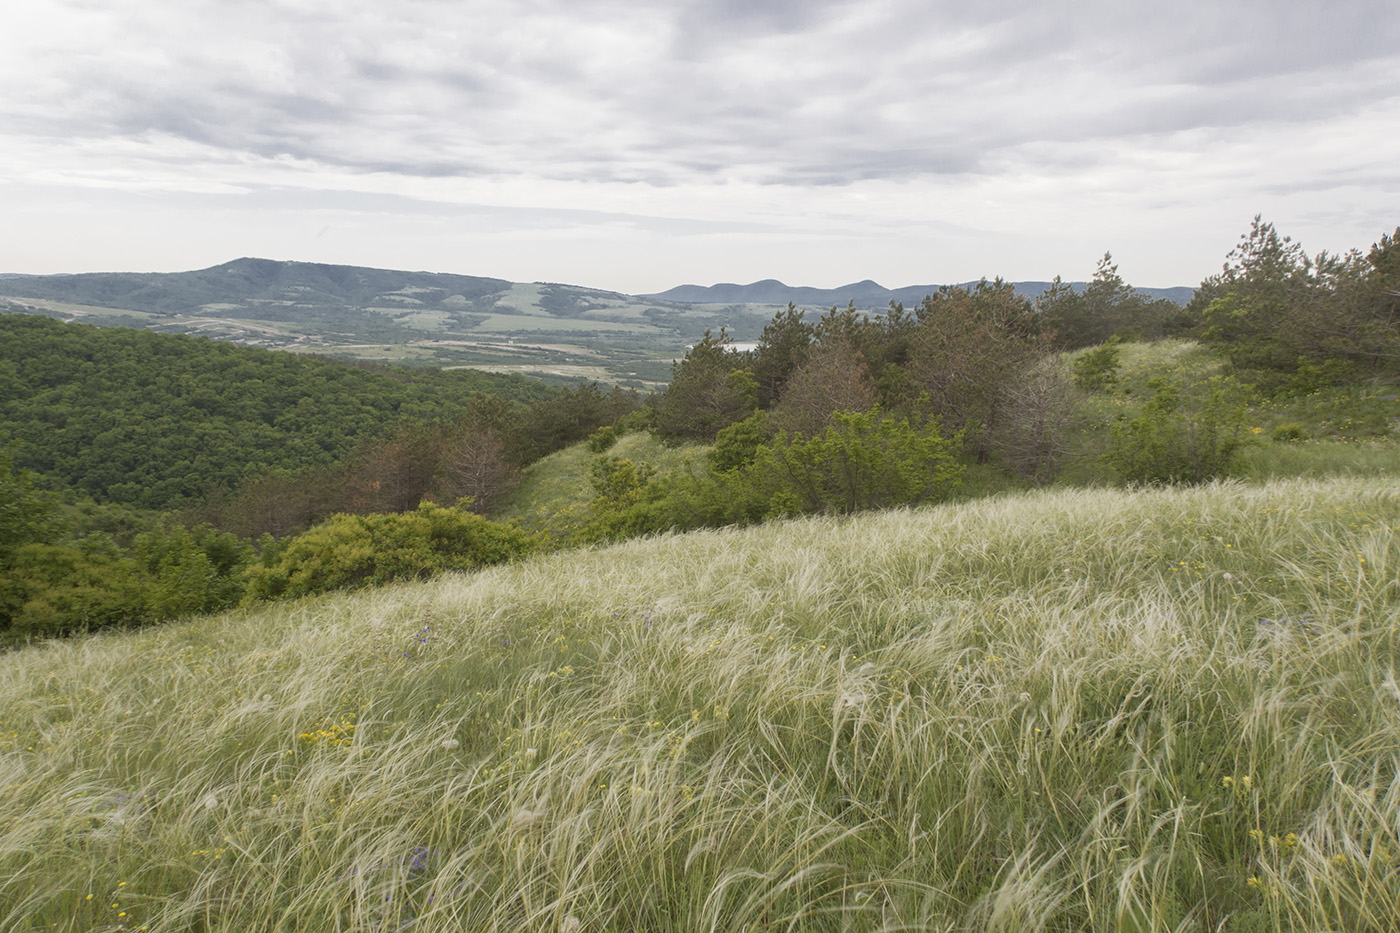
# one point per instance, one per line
(562, 333)
(1088, 710)
(234, 287)
(866, 294)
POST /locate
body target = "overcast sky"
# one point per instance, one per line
(639, 144)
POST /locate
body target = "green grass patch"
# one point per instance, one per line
(1271, 459)
(1344, 430)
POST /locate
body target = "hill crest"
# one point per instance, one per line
(866, 293)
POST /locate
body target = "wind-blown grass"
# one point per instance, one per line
(1074, 710)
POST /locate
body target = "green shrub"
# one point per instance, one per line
(1325, 374)
(1097, 369)
(737, 445)
(192, 570)
(1293, 431)
(1171, 443)
(601, 440)
(366, 550)
(57, 589)
(618, 481)
(864, 460)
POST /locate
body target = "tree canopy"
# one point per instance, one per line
(155, 420)
(1274, 309)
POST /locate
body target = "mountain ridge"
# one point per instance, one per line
(270, 280)
(866, 294)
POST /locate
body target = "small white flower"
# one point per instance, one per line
(529, 753)
(451, 745)
(571, 924)
(267, 698)
(210, 802)
(1228, 577)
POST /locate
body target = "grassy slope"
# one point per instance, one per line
(1349, 430)
(1074, 710)
(556, 490)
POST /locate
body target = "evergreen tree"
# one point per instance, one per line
(708, 391)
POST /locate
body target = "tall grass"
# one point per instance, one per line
(1075, 710)
(1277, 459)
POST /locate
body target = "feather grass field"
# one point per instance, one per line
(1066, 710)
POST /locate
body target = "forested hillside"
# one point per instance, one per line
(136, 468)
(156, 421)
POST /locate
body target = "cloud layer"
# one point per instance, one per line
(634, 145)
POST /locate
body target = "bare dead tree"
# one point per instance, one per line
(475, 465)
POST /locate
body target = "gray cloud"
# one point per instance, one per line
(699, 94)
(819, 92)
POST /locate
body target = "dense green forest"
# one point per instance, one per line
(136, 469)
(155, 421)
(148, 476)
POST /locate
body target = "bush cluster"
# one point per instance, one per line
(861, 461)
(350, 551)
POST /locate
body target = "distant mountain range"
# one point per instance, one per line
(866, 294)
(556, 332)
(309, 287)
(562, 333)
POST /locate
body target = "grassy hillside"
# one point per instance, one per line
(1310, 431)
(1074, 710)
(554, 492)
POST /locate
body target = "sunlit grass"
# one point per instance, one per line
(1075, 710)
(1183, 361)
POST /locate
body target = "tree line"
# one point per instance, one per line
(979, 359)
(826, 415)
